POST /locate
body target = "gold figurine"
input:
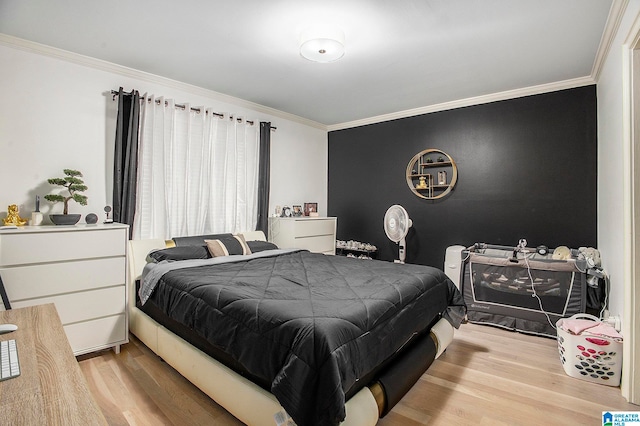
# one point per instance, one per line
(13, 218)
(425, 182)
(422, 184)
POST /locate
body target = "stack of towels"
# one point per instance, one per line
(578, 326)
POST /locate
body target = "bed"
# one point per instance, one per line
(319, 361)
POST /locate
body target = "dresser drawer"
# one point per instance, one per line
(318, 244)
(36, 281)
(314, 234)
(97, 334)
(85, 305)
(308, 228)
(42, 247)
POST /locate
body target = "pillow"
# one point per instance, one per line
(178, 253)
(198, 240)
(257, 246)
(228, 246)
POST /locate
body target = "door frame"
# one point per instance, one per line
(630, 385)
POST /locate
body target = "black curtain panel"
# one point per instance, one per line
(263, 177)
(126, 158)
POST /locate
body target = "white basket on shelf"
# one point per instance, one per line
(590, 357)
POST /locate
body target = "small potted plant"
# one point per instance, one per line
(74, 186)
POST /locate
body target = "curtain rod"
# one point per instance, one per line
(115, 93)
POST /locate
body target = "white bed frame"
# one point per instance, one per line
(246, 401)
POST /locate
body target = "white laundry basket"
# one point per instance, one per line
(590, 357)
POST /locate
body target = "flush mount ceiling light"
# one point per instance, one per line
(322, 44)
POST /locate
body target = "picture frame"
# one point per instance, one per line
(297, 211)
(286, 212)
(310, 209)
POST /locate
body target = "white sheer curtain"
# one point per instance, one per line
(197, 172)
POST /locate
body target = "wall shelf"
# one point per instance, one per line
(429, 178)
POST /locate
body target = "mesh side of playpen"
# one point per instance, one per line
(528, 293)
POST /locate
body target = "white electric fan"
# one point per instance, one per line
(396, 226)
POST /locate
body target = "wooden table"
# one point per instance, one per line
(51, 389)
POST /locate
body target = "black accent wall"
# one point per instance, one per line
(527, 168)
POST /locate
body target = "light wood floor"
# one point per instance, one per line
(487, 376)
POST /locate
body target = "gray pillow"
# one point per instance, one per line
(257, 246)
(178, 253)
(198, 240)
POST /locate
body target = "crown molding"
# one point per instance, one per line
(613, 22)
(102, 65)
(477, 100)
(616, 13)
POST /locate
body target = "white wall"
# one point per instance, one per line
(611, 160)
(56, 113)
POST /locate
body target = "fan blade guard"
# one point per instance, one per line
(396, 223)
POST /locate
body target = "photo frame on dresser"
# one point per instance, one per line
(310, 209)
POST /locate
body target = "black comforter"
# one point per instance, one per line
(309, 324)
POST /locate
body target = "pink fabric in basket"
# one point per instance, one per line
(577, 326)
(605, 330)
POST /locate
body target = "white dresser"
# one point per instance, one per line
(316, 234)
(81, 269)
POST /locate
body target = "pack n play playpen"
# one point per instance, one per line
(521, 290)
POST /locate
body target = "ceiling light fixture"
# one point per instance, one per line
(322, 44)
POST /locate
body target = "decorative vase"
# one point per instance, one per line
(64, 219)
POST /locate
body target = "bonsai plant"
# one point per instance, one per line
(74, 185)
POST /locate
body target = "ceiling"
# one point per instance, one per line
(400, 55)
